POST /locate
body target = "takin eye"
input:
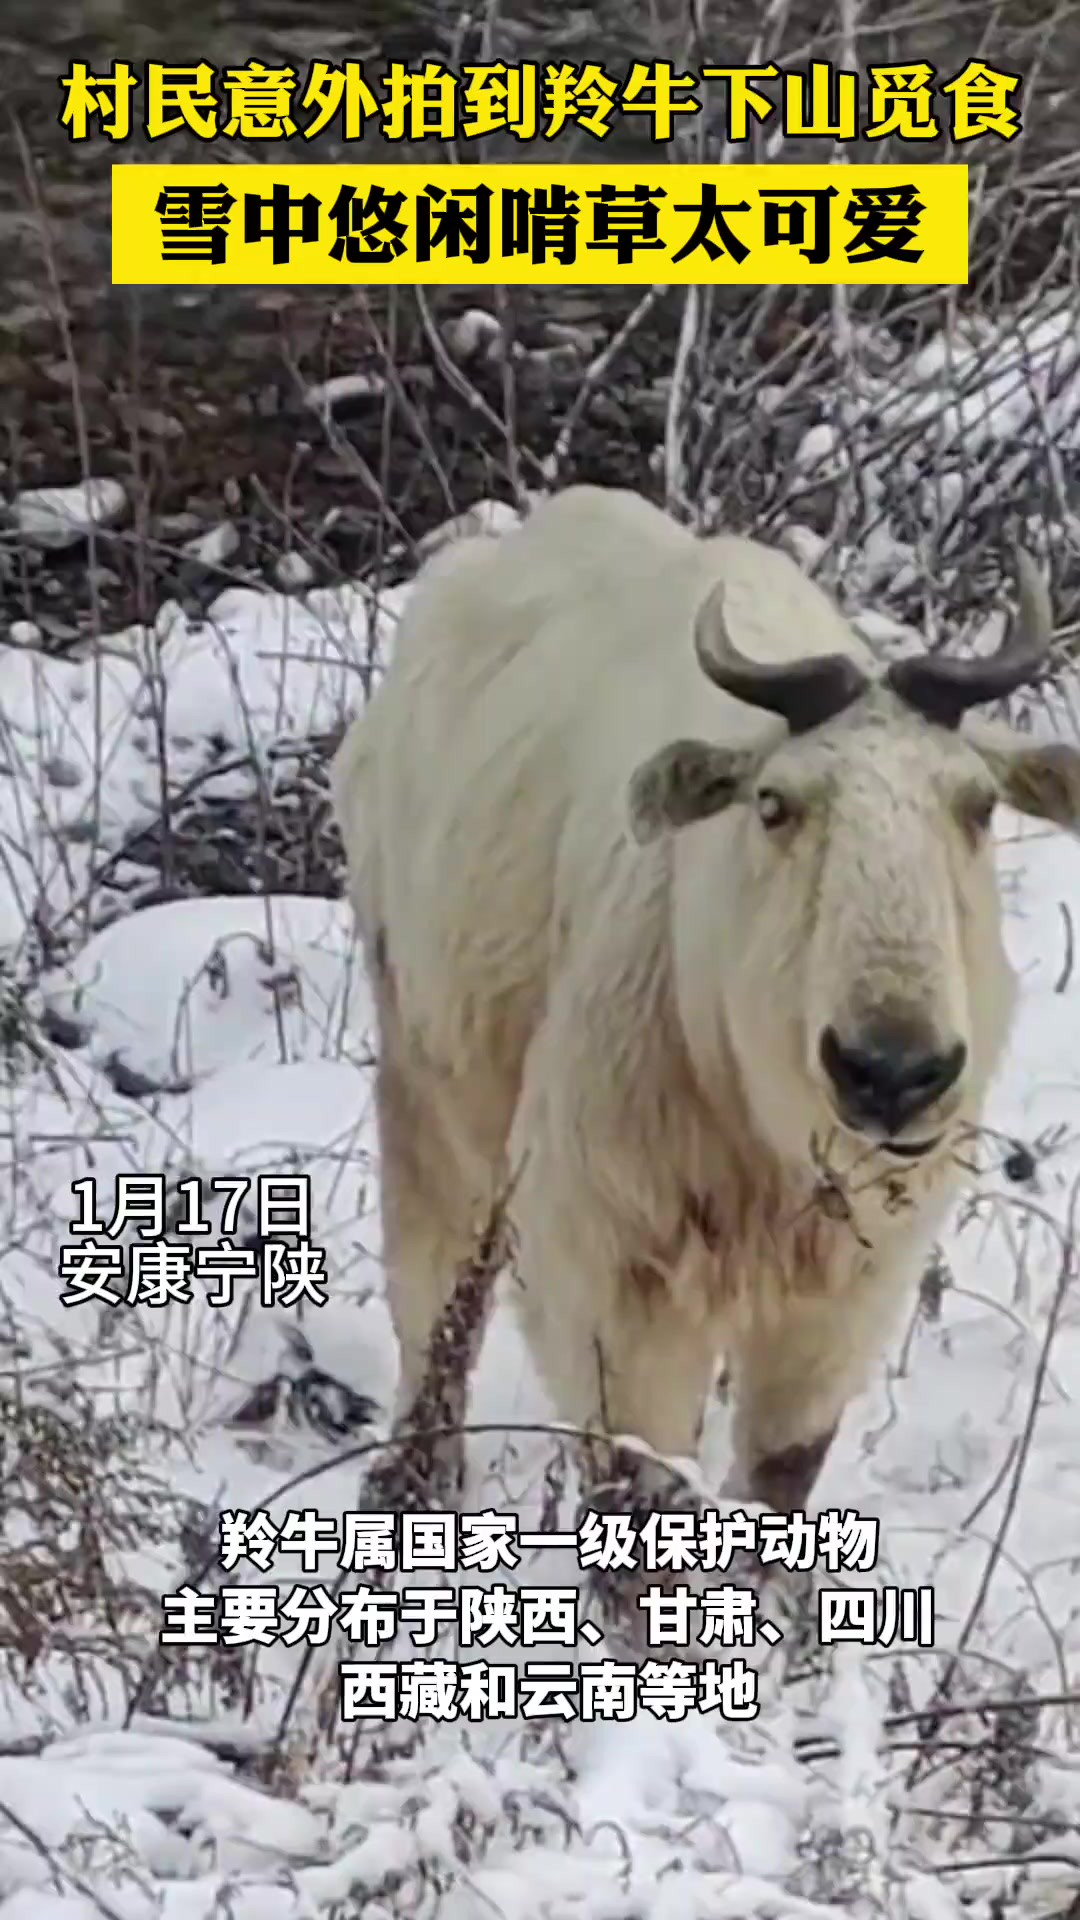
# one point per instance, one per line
(773, 810)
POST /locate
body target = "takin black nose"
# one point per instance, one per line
(889, 1077)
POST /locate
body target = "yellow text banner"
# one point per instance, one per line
(493, 225)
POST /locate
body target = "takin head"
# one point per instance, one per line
(841, 931)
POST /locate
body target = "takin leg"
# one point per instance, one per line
(792, 1382)
(636, 1368)
(618, 1360)
(437, 1195)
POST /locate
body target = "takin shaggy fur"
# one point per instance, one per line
(703, 949)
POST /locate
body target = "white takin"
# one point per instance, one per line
(685, 914)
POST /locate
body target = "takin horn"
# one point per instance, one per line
(804, 692)
(941, 687)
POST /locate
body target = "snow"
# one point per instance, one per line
(215, 547)
(472, 330)
(24, 633)
(328, 394)
(980, 382)
(218, 976)
(292, 571)
(56, 517)
(246, 1022)
(267, 670)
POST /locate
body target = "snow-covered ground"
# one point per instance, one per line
(240, 1025)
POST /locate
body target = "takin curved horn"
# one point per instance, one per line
(804, 692)
(942, 688)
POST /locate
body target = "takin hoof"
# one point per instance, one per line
(742, 1608)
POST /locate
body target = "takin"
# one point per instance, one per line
(681, 916)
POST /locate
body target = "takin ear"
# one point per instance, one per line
(1043, 781)
(686, 781)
